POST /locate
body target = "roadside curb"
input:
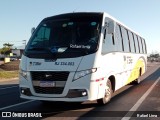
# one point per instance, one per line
(11, 79)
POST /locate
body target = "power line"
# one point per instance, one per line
(10, 41)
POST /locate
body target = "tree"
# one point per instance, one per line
(6, 50)
(8, 45)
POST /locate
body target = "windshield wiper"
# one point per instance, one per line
(83, 50)
(37, 48)
(41, 49)
(52, 51)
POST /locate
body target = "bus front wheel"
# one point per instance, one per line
(108, 94)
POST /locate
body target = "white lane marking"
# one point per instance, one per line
(15, 105)
(8, 87)
(139, 102)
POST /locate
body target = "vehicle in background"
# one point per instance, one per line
(13, 58)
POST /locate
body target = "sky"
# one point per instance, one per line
(17, 17)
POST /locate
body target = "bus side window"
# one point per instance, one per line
(108, 44)
(144, 46)
(125, 40)
(132, 44)
(136, 43)
(118, 39)
(140, 44)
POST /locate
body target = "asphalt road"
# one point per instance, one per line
(139, 101)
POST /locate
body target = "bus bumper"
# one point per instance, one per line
(74, 95)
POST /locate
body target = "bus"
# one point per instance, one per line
(78, 57)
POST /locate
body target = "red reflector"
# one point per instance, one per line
(97, 80)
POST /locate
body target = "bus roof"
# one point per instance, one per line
(96, 13)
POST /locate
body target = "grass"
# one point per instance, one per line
(9, 70)
(8, 74)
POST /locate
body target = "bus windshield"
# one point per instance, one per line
(66, 35)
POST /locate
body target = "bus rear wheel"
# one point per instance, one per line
(108, 94)
(138, 80)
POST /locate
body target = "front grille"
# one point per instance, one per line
(49, 76)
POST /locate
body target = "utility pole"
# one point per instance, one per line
(24, 42)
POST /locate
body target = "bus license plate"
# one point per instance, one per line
(47, 84)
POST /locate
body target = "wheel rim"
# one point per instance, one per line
(107, 94)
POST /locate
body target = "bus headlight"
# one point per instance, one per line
(83, 73)
(23, 73)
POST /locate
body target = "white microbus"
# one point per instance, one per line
(79, 57)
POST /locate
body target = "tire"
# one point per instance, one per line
(138, 80)
(108, 94)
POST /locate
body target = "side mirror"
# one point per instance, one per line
(111, 27)
(32, 30)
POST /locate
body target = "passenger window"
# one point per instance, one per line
(108, 44)
(132, 44)
(136, 43)
(140, 44)
(144, 46)
(125, 39)
(118, 39)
